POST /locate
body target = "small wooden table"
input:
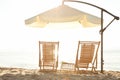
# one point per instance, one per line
(67, 66)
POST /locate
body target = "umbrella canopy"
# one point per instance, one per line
(63, 13)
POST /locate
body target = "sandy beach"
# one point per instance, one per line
(35, 74)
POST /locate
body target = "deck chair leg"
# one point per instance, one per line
(53, 67)
(43, 67)
(40, 68)
(77, 69)
(93, 69)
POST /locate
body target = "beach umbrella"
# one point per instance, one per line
(63, 13)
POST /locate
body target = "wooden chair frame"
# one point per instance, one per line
(48, 55)
(87, 53)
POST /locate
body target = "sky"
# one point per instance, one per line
(15, 36)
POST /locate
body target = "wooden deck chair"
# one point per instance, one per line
(48, 56)
(87, 53)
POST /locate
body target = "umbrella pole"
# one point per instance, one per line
(102, 41)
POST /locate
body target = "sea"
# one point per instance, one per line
(31, 60)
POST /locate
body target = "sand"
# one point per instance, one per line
(35, 74)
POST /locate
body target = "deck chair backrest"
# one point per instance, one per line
(87, 53)
(48, 52)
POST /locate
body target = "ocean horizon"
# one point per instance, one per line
(31, 60)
